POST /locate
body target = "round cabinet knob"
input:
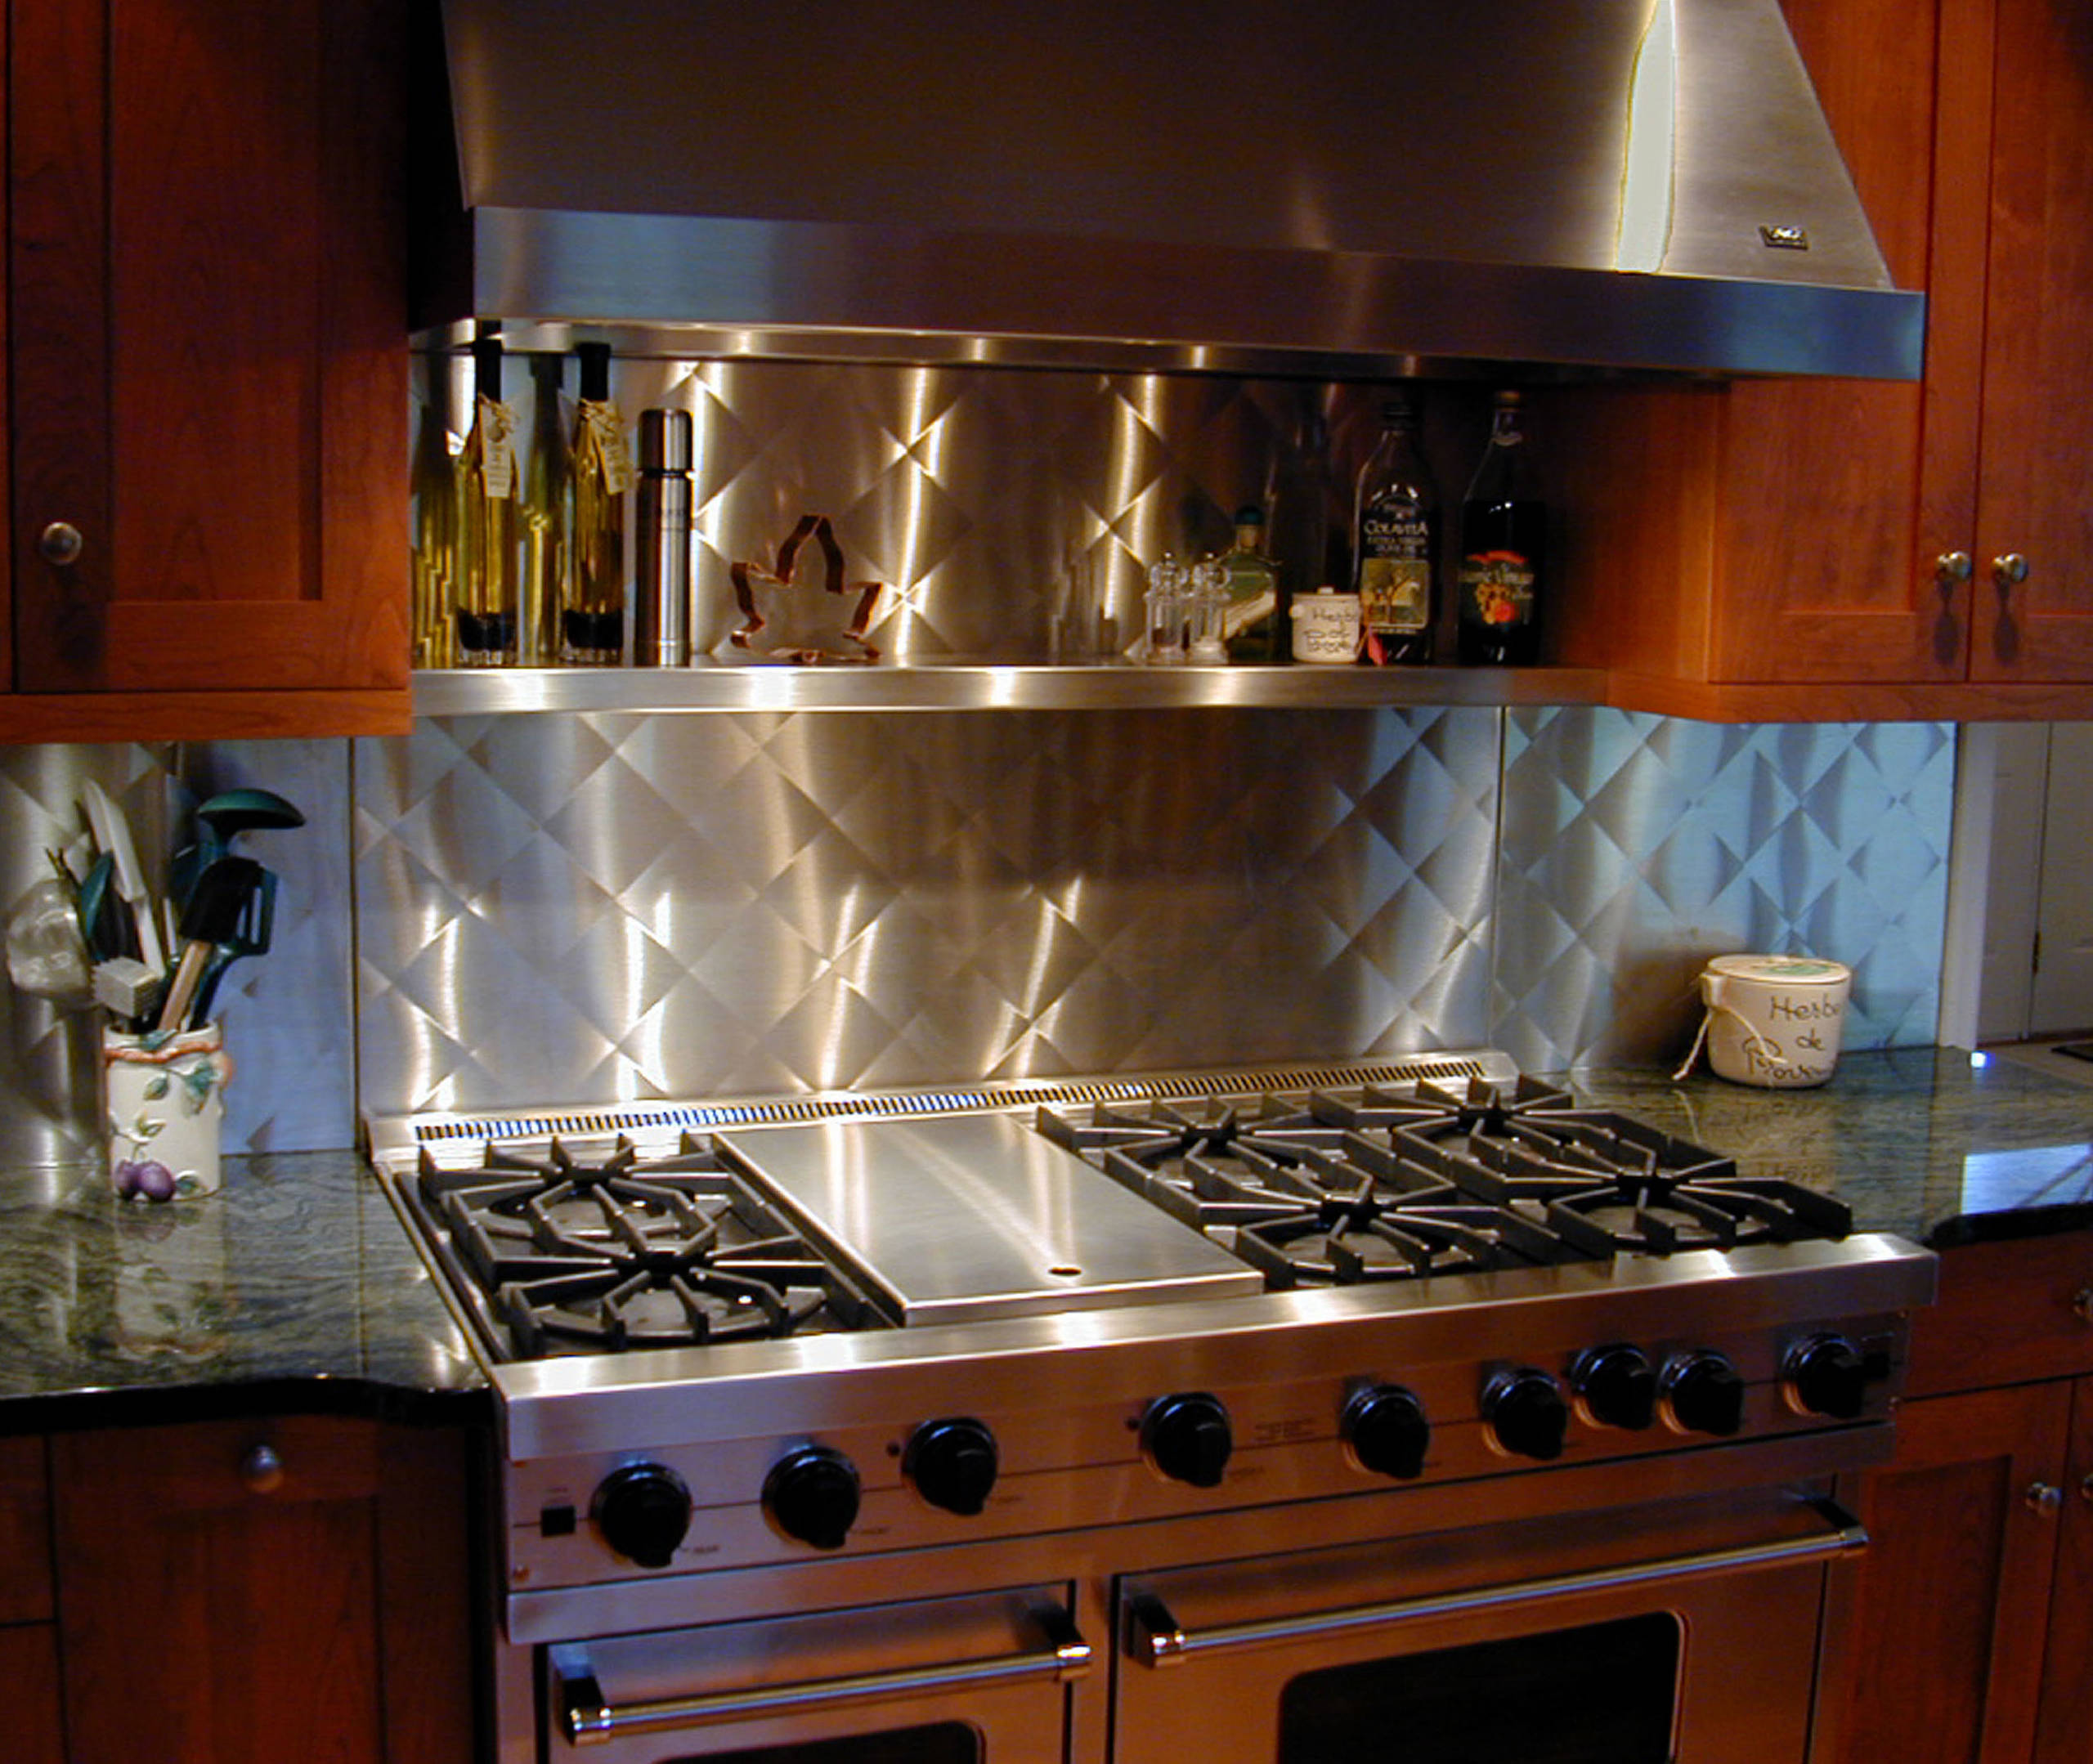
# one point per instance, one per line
(812, 1496)
(61, 543)
(1387, 1431)
(1952, 568)
(1526, 1414)
(262, 1470)
(952, 1464)
(2044, 1499)
(1705, 1394)
(1618, 1387)
(2009, 571)
(643, 1511)
(1187, 1438)
(1827, 1377)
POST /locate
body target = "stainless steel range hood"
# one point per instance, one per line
(1360, 186)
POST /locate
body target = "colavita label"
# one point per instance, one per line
(1395, 568)
(1497, 590)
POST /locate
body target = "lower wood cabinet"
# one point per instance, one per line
(1966, 1633)
(231, 1591)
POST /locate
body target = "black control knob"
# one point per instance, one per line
(812, 1495)
(1526, 1414)
(1705, 1395)
(1387, 1431)
(1187, 1438)
(643, 1511)
(1828, 1375)
(1618, 1386)
(952, 1464)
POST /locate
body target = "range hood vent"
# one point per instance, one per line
(1249, 186)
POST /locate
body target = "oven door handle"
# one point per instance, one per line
(590, 1720)
(1156, 1638)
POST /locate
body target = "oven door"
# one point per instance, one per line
(980, 1680)
(1639, 1637)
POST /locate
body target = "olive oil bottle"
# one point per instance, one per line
(487, 524)
(592, 614)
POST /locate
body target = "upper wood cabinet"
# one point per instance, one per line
(208, 369)
(1825, 548)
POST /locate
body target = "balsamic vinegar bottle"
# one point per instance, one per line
(1503, 549)
(1395, 533)
(487, 521)
(592, 620)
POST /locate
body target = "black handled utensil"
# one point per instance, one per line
(250, 937)
(223, 818)
(211, 916)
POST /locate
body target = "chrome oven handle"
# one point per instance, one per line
(1155, 1637)
(588, 1720)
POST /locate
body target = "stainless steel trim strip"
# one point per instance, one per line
(1157, 1639)
(589, 1719)
(706, 684)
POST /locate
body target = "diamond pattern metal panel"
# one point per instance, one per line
(1633, 848)
(599, 907)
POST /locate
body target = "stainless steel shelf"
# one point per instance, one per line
(718, 685)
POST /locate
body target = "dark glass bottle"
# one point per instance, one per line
(1503, 573)
(1395, 529)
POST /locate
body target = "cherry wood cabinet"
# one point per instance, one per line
(293, 1588)
(1827, 549)
(208, 369)
(1967, 1632)
(31, 1731)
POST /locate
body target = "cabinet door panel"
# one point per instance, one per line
(2066, 1733)
(1840, 494)
(209, 345)
(30, 1728)
(2039, 349)
(1944, 1658)
(202, 1618)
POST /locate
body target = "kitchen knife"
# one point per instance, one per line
(216, 905)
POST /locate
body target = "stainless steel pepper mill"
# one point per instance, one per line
(661, 608)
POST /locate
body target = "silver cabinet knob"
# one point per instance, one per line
(1951, 569)
(2082, 1305)
(2044, 1499)
(262, 1470)
(60, 543)
(2009, 569)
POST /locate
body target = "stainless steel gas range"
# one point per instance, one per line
(1245, 1415)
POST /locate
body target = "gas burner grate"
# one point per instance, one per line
(563, 1253)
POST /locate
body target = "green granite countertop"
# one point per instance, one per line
(1913, 1140)
(293, 1289)
(296, 1288)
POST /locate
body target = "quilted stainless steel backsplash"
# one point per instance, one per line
(585, 908)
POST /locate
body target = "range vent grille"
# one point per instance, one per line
(652, 1121)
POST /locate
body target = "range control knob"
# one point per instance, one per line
(1828, 1375)
(1526, 1414)
(1705, 1394)
(1187, 1438)
(952, 1464)
(1618, 1387)
(643, 1511)
(812, 1495)
(1386, 1427)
